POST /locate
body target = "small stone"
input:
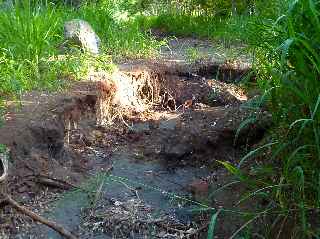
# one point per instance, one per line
(199, 189)
(191, 230)
(97, 133)
(118, 203)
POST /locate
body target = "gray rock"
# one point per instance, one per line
(6, 5)
(81, 33)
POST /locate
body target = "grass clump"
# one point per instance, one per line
(120, 34)
(27, 34)
(179, 25)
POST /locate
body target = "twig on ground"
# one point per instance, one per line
(152, 221)
(60, 229)
(53, 182)
(181, 232)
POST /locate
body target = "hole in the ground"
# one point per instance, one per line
(174, 89)
(157, 106)
(228, 72)
(178, 116)
(193, 119)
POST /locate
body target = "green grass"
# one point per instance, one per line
(31, 35)
(227, 29)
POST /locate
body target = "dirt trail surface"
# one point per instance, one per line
(136, 152)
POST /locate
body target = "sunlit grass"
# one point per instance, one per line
(31, 36)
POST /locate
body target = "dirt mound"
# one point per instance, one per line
(37, 139)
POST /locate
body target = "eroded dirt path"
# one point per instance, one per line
(165, 171)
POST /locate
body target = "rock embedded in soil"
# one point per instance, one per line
(199, 189)
(81, 33)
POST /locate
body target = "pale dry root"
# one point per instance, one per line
(105, 95)
(119, 93)
(5, 165)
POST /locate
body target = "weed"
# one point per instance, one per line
(212, 224)
(193, 54)
(3, 148)
(213, 96)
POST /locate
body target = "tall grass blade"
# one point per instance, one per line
(212, 225)
(243, 124)
(255, 151)
(316, 108)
